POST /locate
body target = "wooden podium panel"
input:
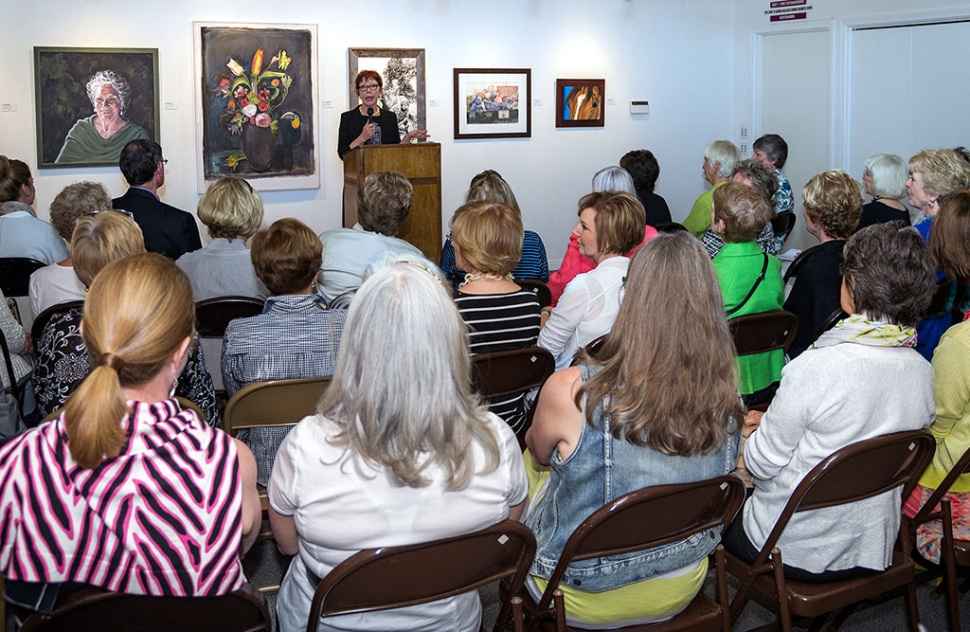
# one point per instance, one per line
(421, 165)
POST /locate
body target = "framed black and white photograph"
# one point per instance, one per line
(493, 103)
(92, 101)
(402, 72)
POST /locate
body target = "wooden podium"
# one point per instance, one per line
(421, 164)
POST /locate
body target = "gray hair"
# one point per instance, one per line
(725, 153)
(113, 79)
(889, 173)
(401, 393)
(614, 180)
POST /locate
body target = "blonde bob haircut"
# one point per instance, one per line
(384, 202)
(489, 237)
(102, 238)
(943, 170)
(401, 392)
(490, 186)
(833, 201)
(650, 374)
(620, 220)
(286, 256)
(743, 209)
(137, 313)
(231, 209)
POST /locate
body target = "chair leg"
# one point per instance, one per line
(720, 581)
(949, 568)
(784, 614)
(560, 610)
(517, 614)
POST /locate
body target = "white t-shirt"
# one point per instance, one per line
(340, 510)
(52, 285)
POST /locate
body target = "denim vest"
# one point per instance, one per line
(601, 469)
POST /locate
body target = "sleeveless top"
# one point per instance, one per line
(601, 469)
(162, 518)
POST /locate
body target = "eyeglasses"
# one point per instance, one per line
(127, 214)
(164, 161)
(369, 87)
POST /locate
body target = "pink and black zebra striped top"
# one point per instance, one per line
(163, 518)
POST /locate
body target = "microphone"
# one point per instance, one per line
(370, 115)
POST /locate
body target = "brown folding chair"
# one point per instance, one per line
(537, 287)
(504, 373)
(395, 577)
(645, 519)
(212, 316)
(94, 609)
(953, 552)
(763, 332)
(15, 274)
(269, 404)
(782, 224)
(858, 471)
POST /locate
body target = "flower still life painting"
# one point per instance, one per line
(257, 103)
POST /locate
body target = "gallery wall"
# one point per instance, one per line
(678, 55)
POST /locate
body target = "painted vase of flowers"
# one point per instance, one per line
(252, 99)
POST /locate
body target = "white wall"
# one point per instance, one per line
(837, 18)
(678, 55)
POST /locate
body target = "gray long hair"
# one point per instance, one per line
(113, 79)
(401, 393)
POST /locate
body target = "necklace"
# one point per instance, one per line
(488, 276)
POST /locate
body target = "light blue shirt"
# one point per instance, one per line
(23, 235)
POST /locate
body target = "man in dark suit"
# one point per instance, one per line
(167, 230)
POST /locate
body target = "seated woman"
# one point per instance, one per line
(383, 204)
(885, 180)
(18, 345)
(719, 160)
(232, 211)
(296, 336)
(750, 279)
(88, 498)
(62, 360)
(21, 233)
(405, 456)
(948, 244)
(610, 225)
(643, 167)
(57, 282)
(752, 173)
(500, 315)
(861, 379)
(833, 204)
(635, 401)
(574, 263)
(489, 186)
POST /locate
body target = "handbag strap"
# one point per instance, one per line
(757, 282)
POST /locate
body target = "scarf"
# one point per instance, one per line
(859, 329)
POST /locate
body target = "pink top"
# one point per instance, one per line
(162, 518)
(574, 264)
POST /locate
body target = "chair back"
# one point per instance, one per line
(782, 224)
(766, 331)
(670, 227)
(394, 577)
(273, 403)
(960, 467)
(537, 287)
(649, 518)
(94, 609)
(15, 274)
(509, 372)
(40, 323)
(858, 471)
(212, 315)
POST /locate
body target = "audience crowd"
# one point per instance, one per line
(124, 480)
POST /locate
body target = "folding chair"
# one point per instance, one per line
(212, 316)
(505, 373)
(94, 609)
(782, 224)
(858, 471)
(537, 287)
(395, 577)
(15, 274)
(641, 520)
(763, 332)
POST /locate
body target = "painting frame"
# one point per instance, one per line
(61, 75)
(565, 106)
(477, 88)
(392, 95)
(286, 71)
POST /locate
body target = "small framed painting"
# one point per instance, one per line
(580, 102)
(493, 103)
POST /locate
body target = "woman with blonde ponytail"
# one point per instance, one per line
(89, 497)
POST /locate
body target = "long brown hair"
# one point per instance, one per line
(136, 314)
(669, 374)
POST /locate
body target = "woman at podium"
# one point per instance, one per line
(368, 124)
